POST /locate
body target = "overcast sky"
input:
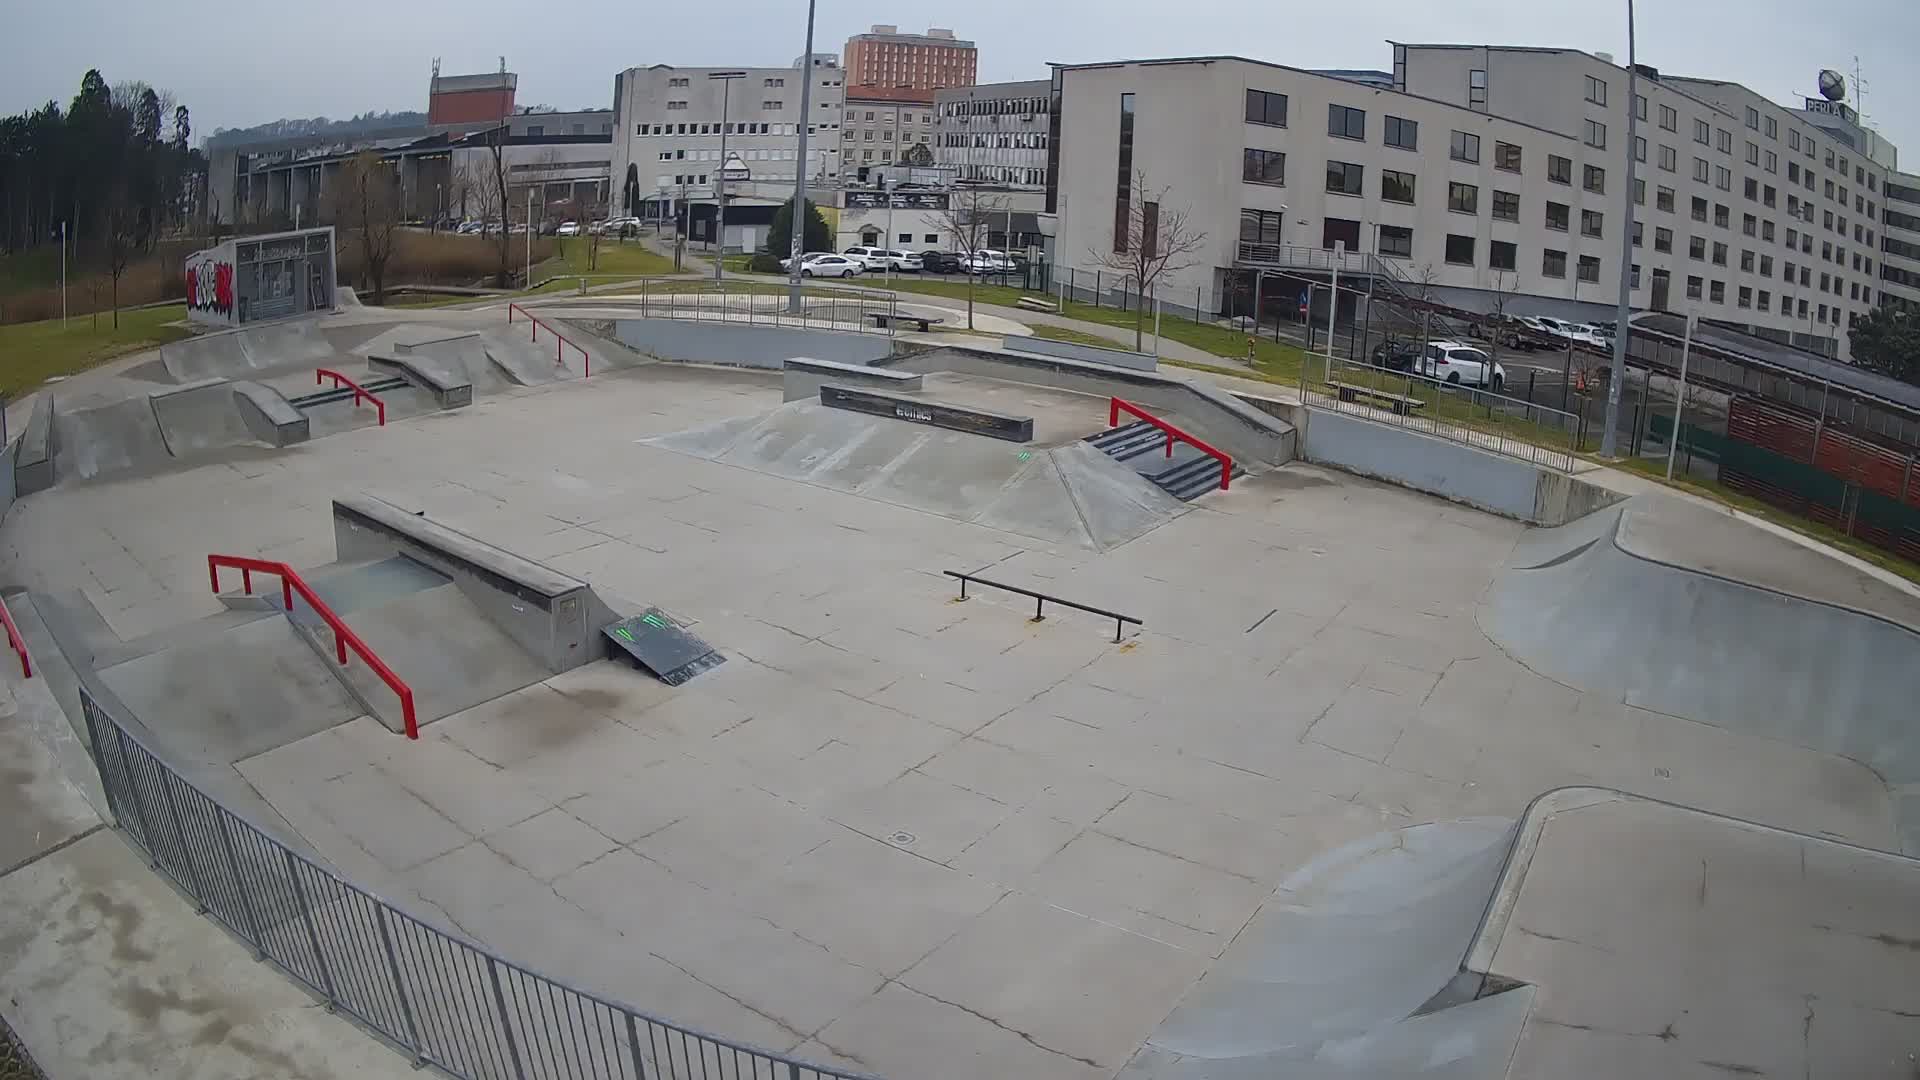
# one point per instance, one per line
(240, 62)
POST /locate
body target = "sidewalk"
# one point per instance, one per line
(105, 971)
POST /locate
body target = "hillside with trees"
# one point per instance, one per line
(300, 128)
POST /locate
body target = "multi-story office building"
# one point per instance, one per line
(994, 133)
(1900, 240)
(668, 127)
(1493, 176)
(886, 57)
(880, 127)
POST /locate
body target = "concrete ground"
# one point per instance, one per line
(919, 837)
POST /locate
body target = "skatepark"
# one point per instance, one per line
(1298, 771)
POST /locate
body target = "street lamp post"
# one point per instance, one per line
(1624, 313)
(799, 217)
(725, 79)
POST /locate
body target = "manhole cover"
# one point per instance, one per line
(903, 838)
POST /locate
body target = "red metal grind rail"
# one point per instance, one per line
(343, 636)
(17, 641)
(1113, 420)
(559, 339)
(323, 374)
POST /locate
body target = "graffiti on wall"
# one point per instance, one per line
(210, 287)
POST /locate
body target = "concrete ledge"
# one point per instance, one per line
(933, 413)
(449, 385)
(1486, 481)
(552, 615)
(269, 415)
(745, 344)
(1221, 419)
(1071, 350)
(33, 454)
(803, 376)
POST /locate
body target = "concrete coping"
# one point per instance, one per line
(516, 575)
(438, 376)
(902, 379)
(1074, 350)
(186, 387)
(406, 348)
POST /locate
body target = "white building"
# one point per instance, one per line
(1493, 175)
(995, 133)
(668, 127)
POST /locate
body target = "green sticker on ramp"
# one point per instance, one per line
(623, 633)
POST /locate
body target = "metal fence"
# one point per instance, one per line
(444, 1000)
(1510, 426)
(766, 305)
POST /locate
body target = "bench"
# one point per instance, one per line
(924, 322)
(1400, 403)
(1033, 303)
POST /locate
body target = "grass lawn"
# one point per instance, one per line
(615, 259)
(31, 353)
(1656, 469)
(431, 300)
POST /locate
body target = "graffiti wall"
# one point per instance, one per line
(210, 286)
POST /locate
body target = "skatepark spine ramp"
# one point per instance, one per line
(1686, 611)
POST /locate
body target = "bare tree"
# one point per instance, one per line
(969, 215)
(365, 202)
(1154, 239)
(496, 175)
(581, 210)
(122, 234)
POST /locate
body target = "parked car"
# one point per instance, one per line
(901, 262)
(988, 261)
(567, 228)
(1396, 355)
(942, 262)
(805, 258)
(840, 266)
(872, 258)
(471, 228)
(1461, 364)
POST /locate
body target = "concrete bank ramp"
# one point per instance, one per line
(526, 362)
(1337, 974)
(1071, 494)
(1693, 613)
(462, 353)
(241, 353)
(96, 439)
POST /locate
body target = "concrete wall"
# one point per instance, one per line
(803, 377)
(1073, 350)
(747, 346)
(33, 454)
(1501, 485)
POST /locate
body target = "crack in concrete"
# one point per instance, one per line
(798, 1035)
(1024, 1036)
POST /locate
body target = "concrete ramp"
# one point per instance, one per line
(110, 437)
(1693, 613)
(1069, 494)
(200, 416)
(241, 353)
(465, 354)
(525, 362)
(1328, 979)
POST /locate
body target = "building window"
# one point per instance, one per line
(1637, 234)
(1506, 206)
(1553, 263)
(1557, 216)
(1596, 135)
(1640, 106)
(1694, 287)
(1502, 255)
(1753, 153)
(1463, 198)
(1773, 162)
(1477, 91)
(1594, 179)
(1766, 298)
(1719, 253)
(1766, 266)
(1702, 132)
(1464, 147)
(1699, 212)
(1346, 123)
(1663, 199)
(1702, 172)
(1746, 262)
(1633, 274)
(1697, 248)
(1123, 188)
(1768, 196)
(1753, 122)
(1263, 167)
(1396, 186)
(1663, 240)
(1717, 292)
(1459, 249)
(1596, 90)
(1722, 216)
(1723, 140)
(1590, 222)
(1506, 157)
(1793, 172)
(1559, 169)
(1669, 159)
(1749, 225)
(1793, 139)
(1640, 148)
(1639, 192)
(1404, 134)
(1397, 241)
(1751, 188)
(1589, 269)
(1265, 108)
(1344, 178)
(1261, 226)
(1669, 120)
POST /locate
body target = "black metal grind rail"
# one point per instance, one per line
(1040, 600)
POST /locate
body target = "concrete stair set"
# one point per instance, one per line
(1186, 475)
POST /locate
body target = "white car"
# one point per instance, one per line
(902, 262)
(840, 266)
(988, 261)
(805, 258)
(568, 228)
(872, 258)
(1461, 364)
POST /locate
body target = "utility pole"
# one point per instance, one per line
(63, 274)
(1679, 399)
(799, 217)
(528, 282)
(1623, 326)
(725, 79)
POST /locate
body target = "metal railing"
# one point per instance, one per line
(559, 339)
(761, 305)
(1484, 419)
(321, 375)
(1301, 257)
(1115, 407)
(343, 635)
(442, 999)
(16, 641)
(1041, 600)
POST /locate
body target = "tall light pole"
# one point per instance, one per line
(799, 217)
(1622, 326)
(725, 78)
